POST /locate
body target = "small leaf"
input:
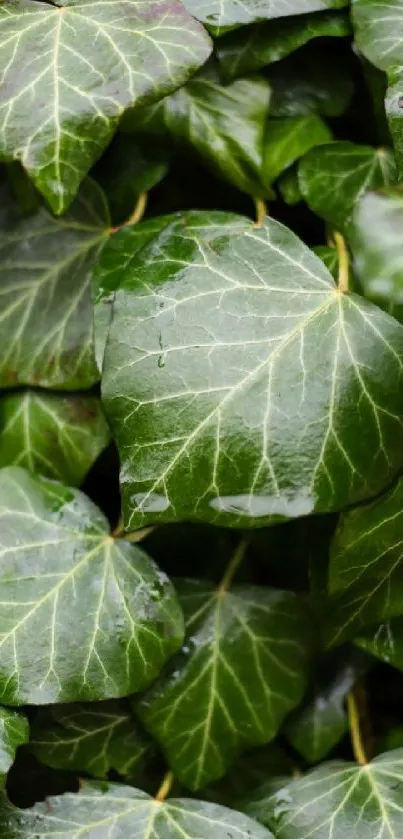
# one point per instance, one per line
(46, 326)
(385, 641)
(243, 667)
(286, 140)
(341, 799)
(378, 30)
(233, 374)
(56, 435)
(14, 732)
(251, 48)
(393, 107)
(330, 257)
(288, 186)
(91, 738)
(112, 811)
(333, 178)
(68, 72)
(366, 566)
(104, 617)
(218, 13)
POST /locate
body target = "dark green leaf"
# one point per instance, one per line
(83, 615)
(91, 738)
(288, 186)
(384, 641)
(57, 435)
(393, 106)
(330, 257)
(46, 324)
(248, 49)
(233, 374)
(243, 667)
(286, 140)
(69, 72)
(334, 177)
(267, 765)
(218, 13)
(113, 811)
(14, 732)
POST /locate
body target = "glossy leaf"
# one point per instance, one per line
(46, 323)
(334, 177)
(286, 140)
(91, 738)
(378, 30)
(14, 732)
(232, 376)
(267, 766)
(341, 799)
(385, 641)
(83, 616)
(70, 70)
(101, 811)
(217, 13)
(394, 111)
(55, 435)
(366, 566)
(243, 667)
(248, 49)
(288, 186)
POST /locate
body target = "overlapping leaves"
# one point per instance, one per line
(14, 732)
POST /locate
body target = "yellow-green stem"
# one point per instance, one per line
(261, 212)
(165, 787)
(355, 730)
(232, 568)
(342, 253)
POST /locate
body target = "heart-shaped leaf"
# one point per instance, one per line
(56, 435)
(91, 738)
(83, 615)
(14, 732)
(286, 140)
(70, 70)
(101, 811)
(217, 13)
(233, 374)
(46, 323)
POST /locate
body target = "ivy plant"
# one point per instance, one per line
(201, 419)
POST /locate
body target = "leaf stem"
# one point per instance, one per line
(342, 253)
(134, 536)
(261, 212)
(137, 214)
(355, 730)
(232, 567)
(165, 787)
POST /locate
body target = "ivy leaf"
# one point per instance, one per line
(91, 738)
(219, 13)
(378, 30)
(330, 257)
(248, 49)
(57, 435)
(224, 124)
(14, 732)
(243, 667)
(333, 177)
(366, 566)
(269, 766)
(104, 617)
(341, 799)
(385, 641)
(46, 326)
(288, 186)
(232, 376)
(68, 72)
(288, 139)
(393, 107)
(109, 811)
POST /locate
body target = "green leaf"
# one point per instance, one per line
(286, 140)
(393, 107)
(244, 665)
(288, 186)
(225, 125)
(91, 738)
(14, 732)
(384, 641)
(218, 13)
(377, 247)
(341, 799)
(378, 30)
(248, 49)
(111, 811)
(366, 566)
(46, 322)
(232, 376)
(68, 73)
(333, 178)
(268, 765)
(57, 435)
(330, 257)
(83, 615)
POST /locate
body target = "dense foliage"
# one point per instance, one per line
(201, 419)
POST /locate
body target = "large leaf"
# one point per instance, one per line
(224, 124)
(91, 738)
(243, 667)
(83, 616)
(241, 385)
(366, 566)
(101, 811)
(340, 800)
(69, 71)
(57, 435)
(217, 13)
(378, 29)
(14, 732)
(251, 48)
(334, 177)
(286, 140)
(46, 317)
